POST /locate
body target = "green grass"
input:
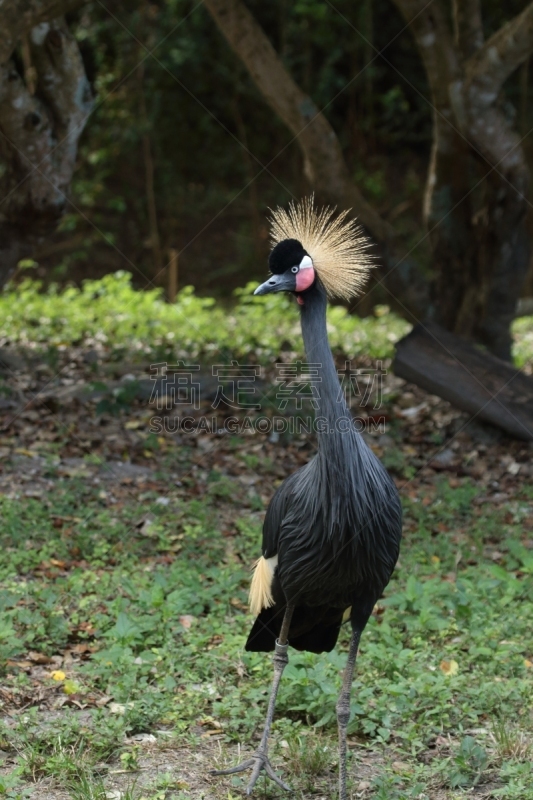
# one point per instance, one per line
(167, 640)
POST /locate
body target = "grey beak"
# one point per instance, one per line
(286, 282)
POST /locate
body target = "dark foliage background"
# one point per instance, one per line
(175, 108)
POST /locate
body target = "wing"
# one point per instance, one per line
(276, 511)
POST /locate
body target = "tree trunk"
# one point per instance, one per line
(507, 257)
(17, 17)
(474, 381)
(38, 140)
(478, 179)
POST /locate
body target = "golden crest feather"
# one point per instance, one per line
(337, 245)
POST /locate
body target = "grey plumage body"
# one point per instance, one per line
(335, 524)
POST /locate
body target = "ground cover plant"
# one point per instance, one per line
(110, 312)
(125, 569)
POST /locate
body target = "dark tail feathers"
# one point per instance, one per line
(313, 629)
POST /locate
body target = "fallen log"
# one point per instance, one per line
(471, 379)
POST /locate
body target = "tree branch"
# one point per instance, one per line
(468, 26)
(447, 176)
(324, 163)
(434, 39)
(491, 65)
(19, 17)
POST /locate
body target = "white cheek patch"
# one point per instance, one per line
(306, 262)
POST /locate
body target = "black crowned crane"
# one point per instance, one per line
(332, 531)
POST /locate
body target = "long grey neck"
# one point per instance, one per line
(335, 432)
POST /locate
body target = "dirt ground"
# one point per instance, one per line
(186, 770)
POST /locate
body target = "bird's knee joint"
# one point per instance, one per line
(343, 714)
(281, 657)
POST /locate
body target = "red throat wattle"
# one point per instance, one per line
(304, 279)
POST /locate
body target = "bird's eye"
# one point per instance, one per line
(295, 269)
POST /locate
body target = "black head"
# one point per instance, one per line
(291, 267)
(286, 254)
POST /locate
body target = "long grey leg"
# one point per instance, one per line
(343, 710)
(260, 760)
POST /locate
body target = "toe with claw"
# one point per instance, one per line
(257, 762)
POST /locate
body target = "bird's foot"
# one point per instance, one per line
(257, 762)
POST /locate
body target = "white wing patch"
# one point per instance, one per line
(261, 587)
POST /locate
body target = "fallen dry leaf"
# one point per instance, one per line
(120, 708)
(103, 701)
(39, 658)
(401, 766)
